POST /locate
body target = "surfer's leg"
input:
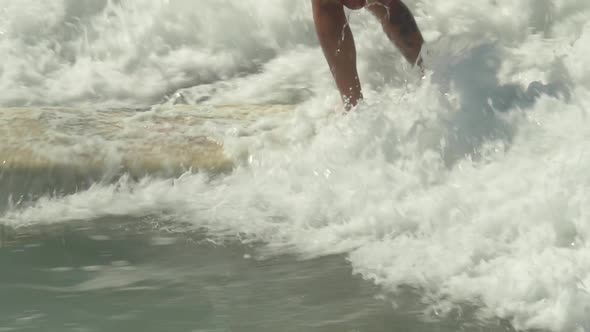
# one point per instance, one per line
(338, 46)
(400, 26)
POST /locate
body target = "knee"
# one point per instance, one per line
(354, 4)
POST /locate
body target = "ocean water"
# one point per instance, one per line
(456, 200)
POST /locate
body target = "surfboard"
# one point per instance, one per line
(160, 139)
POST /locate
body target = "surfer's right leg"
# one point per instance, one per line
(338, 46)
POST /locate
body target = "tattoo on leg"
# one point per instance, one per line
(402, 17)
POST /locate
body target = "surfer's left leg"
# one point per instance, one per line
(400, 26)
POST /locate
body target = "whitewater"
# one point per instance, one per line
(467, 184)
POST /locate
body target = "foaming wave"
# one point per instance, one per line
(135, 53)
(506, 233)
(470, 185)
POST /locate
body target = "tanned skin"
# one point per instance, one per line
(337, 41)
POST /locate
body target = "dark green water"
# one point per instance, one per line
(119, 275)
